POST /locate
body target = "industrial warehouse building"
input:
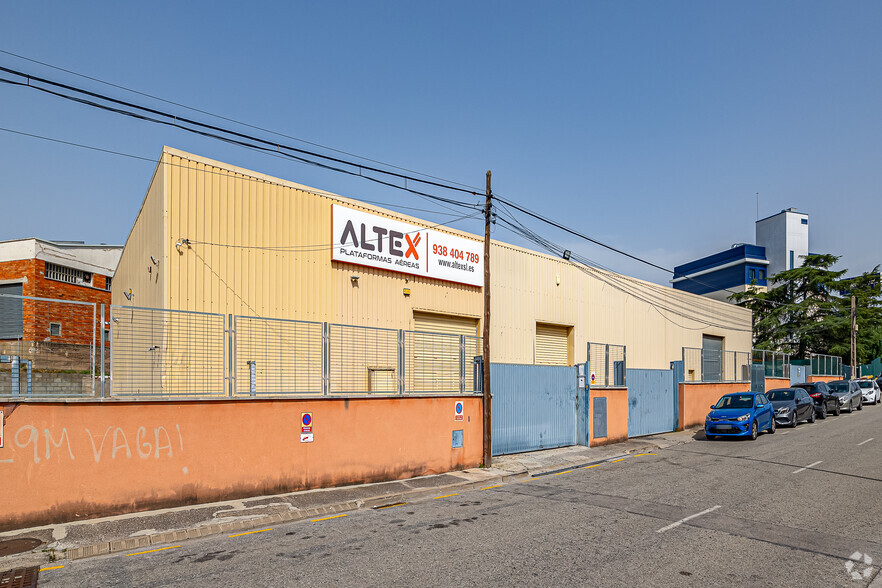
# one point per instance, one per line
(268, 337)
(211, 237)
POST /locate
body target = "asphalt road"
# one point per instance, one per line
(788, 509)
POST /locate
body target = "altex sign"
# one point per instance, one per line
(375, 241)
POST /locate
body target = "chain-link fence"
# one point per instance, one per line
(826, 365)
(48, 347)
(776, 365)
(607, 363)
(715, 365)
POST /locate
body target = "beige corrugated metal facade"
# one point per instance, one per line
(232, 241)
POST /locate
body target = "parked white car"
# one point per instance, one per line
(870, 391)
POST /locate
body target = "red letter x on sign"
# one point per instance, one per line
(411, 246)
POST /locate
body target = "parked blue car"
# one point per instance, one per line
(743, 414)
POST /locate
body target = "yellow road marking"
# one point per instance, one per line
(591, 466)
(328, 518)
(617, 460)
(566, 472)
(52, 568)
(152, 550)
(642, 454)
(527, 480)
(250, 532)
(446, 496)
(488, 487)
(390, 505)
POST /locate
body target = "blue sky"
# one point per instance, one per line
(647, 125)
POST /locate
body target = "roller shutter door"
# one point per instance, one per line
(11, 315)
(552, 345)
(444, 323)
(434, 362)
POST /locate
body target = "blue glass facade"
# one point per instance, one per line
(737, 265)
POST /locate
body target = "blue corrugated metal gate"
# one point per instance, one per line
(652, 402)
(536, 407)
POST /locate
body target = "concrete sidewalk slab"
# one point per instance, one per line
(78, 539)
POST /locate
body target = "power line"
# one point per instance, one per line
(220, 173)
(179, 121)
(232, 120)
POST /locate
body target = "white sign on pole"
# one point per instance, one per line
(371, 240)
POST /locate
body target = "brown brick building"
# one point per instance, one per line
(64, 271)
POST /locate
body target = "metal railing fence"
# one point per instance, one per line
(161, 352)
(775, 364)
(47, 347)
(608, 365)
(714, 365)
(179, 353)
(826, 365)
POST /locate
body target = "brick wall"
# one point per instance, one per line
(76, 320)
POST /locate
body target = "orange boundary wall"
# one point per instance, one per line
(772, 383)
(824, 378)
(616, 416)
(71, 461)
(695, 400)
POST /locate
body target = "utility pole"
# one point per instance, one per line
(488, 402)
(854, 362)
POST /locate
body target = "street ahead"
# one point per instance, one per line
(788, 509)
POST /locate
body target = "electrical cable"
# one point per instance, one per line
(232, 120)
(219, 173)
(215, 128)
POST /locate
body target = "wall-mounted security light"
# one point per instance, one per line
(566, 254)
(354, 280)
(153, 259)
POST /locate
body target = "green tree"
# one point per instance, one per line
(868, 298)
(800, 313)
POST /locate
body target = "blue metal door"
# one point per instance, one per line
(651, 402)
(535, 407)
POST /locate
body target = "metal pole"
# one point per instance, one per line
(103, 343)
(854, 363)
(487, 404)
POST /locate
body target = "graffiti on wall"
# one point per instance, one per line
(154, 442)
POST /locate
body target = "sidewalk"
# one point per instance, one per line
(87, 538)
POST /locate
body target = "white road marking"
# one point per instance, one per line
(690, 517)
(785, 432)
(867, 441)
(811, 465)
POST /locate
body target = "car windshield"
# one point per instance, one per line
(777, 395)
(735, 401)
(865, 384)
(838, 386)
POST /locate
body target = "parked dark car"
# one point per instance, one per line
(792, 405)
(825, 401)
(849, 394)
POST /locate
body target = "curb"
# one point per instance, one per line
(116, 546)
(167, 537)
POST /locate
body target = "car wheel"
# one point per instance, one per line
(754, 431)
(795, 421)
(709, 437)
(861, 404)
(838, 410)
(850, 406)
(772, 426)
(823, 414)
(812, 416)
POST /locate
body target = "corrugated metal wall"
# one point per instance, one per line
(534, 407)
(260, 246)
(652, 402)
